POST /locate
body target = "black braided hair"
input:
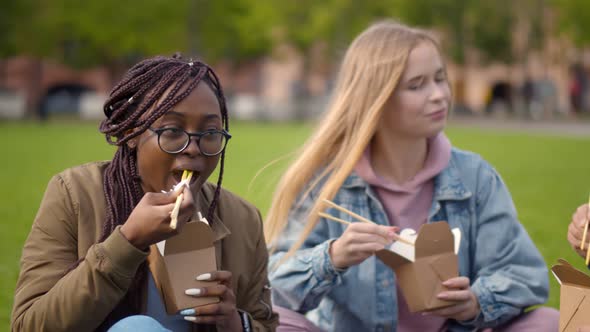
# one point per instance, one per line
(130, 111)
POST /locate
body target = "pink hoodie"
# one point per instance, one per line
(407, 206)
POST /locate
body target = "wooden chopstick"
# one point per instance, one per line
(186, 175)
(327, 216)
(585, 228)
(356, 216)
(350, 213)
(585, 233)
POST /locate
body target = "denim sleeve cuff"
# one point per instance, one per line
(493, 313)
(477, 321)
(486, 305)
(322, 265)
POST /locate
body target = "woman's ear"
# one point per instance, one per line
(132, 143)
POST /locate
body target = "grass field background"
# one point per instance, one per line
(548, 176)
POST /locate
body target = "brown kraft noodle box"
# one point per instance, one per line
(176, 262)
(574, 299)
(435, 261)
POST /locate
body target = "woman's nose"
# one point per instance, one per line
(192, 149)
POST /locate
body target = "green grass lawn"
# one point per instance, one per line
(548, 177)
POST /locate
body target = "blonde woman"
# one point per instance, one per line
(380, 152)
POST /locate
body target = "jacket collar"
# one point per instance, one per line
(448, 184)
(219, 229)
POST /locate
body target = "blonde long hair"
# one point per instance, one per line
(369, 73)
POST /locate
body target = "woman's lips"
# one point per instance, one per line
(437, 115)
(177, 175)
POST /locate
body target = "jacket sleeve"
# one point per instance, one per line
(509, 271)
(257, 297)
(302, 280)
(45, 298)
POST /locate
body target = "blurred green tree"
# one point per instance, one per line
(486, 26)
(574, 19)
(89, 33)
(10, 16)
(112, 33)
(502, 30)
(117, 34)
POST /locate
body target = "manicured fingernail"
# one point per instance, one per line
(187, 312)
(192, 291)
(190, 318)
(204, 276)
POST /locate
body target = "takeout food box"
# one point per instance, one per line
(574, 300)
(175, 263)
(421, 269)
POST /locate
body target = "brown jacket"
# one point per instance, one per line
(69, 223)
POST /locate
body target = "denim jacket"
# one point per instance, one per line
(506, 270)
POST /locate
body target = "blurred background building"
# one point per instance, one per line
(278, 60)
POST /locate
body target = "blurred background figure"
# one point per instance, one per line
(578, 88)
(500, 99)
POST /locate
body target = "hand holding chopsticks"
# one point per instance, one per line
(586, 233)
(360, 240)
(355, 216)
(149, 223)
(577, 233)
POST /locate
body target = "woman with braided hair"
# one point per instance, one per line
(84, 265)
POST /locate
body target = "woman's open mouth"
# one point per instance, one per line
(177, 175)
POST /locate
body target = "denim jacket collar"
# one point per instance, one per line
(448, 186)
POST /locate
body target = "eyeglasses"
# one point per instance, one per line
(175, 140)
